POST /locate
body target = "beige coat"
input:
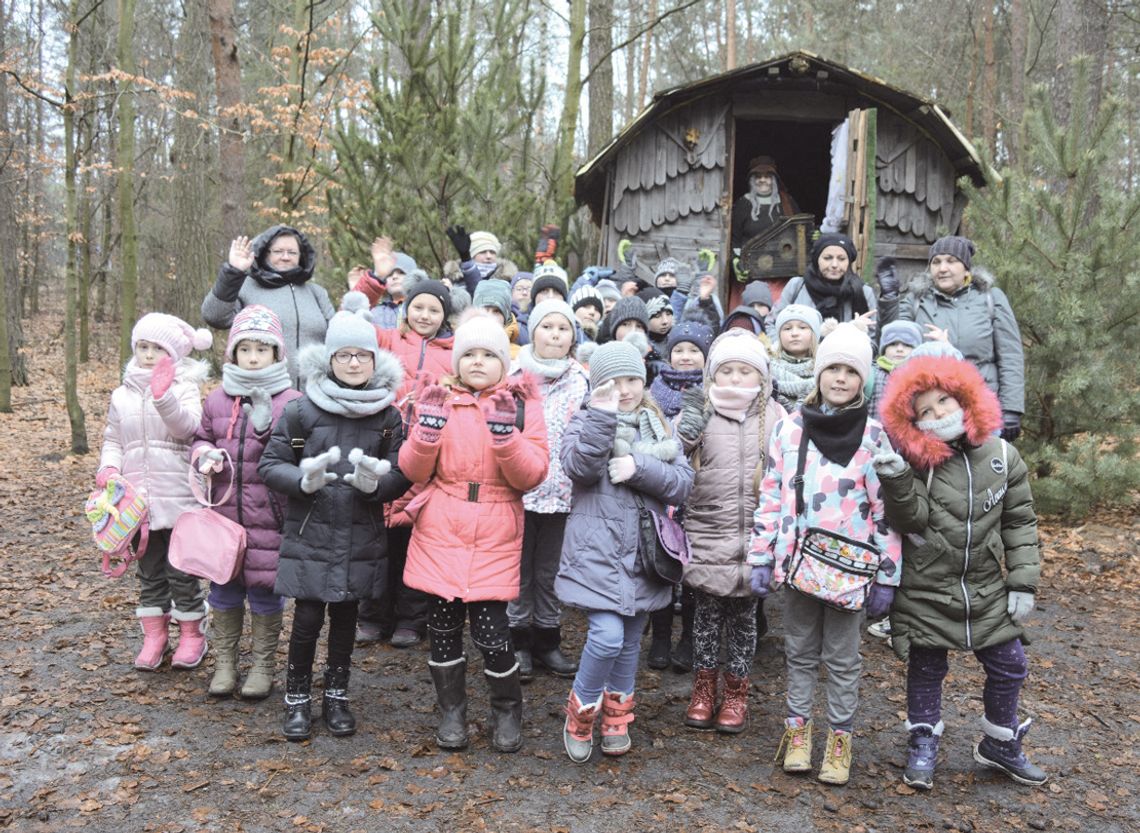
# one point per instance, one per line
(718, 515)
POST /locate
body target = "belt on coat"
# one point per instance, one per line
(474, 492)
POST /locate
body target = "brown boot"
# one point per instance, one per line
(733, 714)
(702, 704)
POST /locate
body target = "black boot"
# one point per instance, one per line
(683, 653)
(451, 694)
(298, 704)
(548, 654)
(661, 622)
(339, 720)
(506, 711)
(521, 639)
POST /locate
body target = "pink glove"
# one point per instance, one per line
(161, 377)
(501, 416)
(104, 475)
(432, 409)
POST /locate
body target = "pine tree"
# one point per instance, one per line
(447, 135)
(1064, 240)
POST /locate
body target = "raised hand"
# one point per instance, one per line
(383, 261)
(241, 254)
(693, 417)
(314, 470)
(887, 276)
(432, 411)
(889, 464)
(622, 469)
(501, 416)
(367, 472)
(260, 409)
(461, 240)
(162, 377)
(605, 397)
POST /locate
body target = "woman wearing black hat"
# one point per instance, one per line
(830, 286)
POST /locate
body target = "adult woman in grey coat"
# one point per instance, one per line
(274, 269)
(958, 302)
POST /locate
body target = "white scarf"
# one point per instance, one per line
(545, 368)
(947, 429)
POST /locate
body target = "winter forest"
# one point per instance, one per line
(139, 138)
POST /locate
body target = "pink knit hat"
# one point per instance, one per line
(737, 345)
(478, 329)
(256, 323)
(846, 344)
(170, 333)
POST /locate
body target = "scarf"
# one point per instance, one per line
(947, 429)
(273, 280)
(543, 368)
(645, 423)
(771, 203)
(794, 379)
(830, 297)
(329, 395)
(485, 269)
(273, 379)
(667, 388)
(837, 435)
(135, 377)
(887, 364)
(733, 402)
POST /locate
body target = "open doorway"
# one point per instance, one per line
(802, 153)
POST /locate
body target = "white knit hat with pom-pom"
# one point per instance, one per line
(172, 334)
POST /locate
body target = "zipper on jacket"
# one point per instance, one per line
(297, 317)
(740, 481)
(308, 515)
(238, 466)
(969, 542)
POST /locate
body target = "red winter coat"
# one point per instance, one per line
(468, 520)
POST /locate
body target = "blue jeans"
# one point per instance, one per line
(609, 659)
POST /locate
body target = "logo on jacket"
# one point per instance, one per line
(994, 498)
(998, 465)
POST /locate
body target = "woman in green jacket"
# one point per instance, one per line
(954, 592)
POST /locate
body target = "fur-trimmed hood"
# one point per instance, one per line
(981, 278)
(388, 372)
(981, 411)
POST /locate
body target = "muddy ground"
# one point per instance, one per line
(89, 743)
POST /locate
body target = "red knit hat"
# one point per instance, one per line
(981, 412)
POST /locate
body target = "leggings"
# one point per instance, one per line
(489, 631)
(736, 616)
(308, 617)
(1006, 669)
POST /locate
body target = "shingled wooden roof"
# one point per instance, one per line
(799, 71)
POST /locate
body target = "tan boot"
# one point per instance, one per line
(836, 768)
(265, 631)
(225, 626)
(797, 741)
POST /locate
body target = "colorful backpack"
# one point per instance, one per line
(118, 513)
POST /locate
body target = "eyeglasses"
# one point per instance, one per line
(344, 357)
(285, 252)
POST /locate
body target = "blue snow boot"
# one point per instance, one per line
(922, 754)
(1001, 749)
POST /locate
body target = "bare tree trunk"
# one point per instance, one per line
(128, 245)
(231, 149)
(646, 54)
(13, 370)
(630, 65)
(601, 81)
(70, 373)
(568, 123)
(729, 34)
(1082, 30)
(1018, 34)
(989, 81)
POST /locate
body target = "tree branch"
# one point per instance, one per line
(16, 77)
(647, 28)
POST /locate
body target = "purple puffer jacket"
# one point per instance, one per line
(251, 503)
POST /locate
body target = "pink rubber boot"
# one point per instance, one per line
(191, 640)
(155, 636)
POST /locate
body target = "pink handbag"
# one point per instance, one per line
(205, 543)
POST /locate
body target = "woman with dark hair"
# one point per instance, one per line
(830, 286)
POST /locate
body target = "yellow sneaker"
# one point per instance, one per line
(797, 742)
(836, 768)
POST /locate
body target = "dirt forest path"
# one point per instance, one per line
(89, 743)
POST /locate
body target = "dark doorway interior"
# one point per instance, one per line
(802, 151)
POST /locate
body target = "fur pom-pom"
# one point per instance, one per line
(585, 350)
(827, 328)
(354, 302)
(203, 339)
(639, 340)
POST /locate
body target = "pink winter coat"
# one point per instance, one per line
(468, 521)
(149, 441)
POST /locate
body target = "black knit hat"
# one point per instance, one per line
(437, 289)
(841, 240)
(693, 332)
(548, 282)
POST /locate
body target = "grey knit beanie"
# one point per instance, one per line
(544, 309)
(351, 329)
(960, 247)
(757, 292)
(629, 308)
(493, 292)
(614, 359)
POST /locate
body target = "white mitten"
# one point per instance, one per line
(210, 462)
(366, 476)
(315, 473)
(889, 464)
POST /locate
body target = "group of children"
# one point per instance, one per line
(501, 478)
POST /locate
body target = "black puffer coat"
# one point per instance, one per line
(335, 544)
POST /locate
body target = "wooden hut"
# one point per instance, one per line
(891, 161)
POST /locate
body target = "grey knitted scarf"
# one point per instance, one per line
(272, 379)
(646, 423)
